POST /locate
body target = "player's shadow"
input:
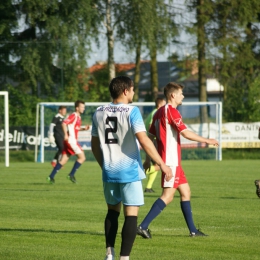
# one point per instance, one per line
(154, 195)
(235, 198)
(51, 231)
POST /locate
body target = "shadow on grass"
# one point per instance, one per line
(51, 231)
(235, 198)
(152, 195)
(24, 190)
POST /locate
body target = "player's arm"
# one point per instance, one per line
(150, 149)
(194, 137)
(64, 128)
(84, 128)
(147, 162)
(95, 146)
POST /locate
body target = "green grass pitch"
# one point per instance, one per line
(65, 220)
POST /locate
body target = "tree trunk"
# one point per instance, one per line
(154, 72)
(110, 41)
(202, 60)
(137, 71)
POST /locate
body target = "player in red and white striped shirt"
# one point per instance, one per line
(167, 126)
(70, 127)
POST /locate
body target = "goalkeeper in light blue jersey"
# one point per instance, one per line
(116, 127)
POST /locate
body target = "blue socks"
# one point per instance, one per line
(187, 213)
(75, 167)
(158, 207)
(55, 170)
(155, 210)
(58, 167)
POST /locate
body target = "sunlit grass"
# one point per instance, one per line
(65, 221)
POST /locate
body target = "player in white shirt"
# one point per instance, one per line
(115, 128)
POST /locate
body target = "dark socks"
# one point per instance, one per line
(187, 213)
(75, 167)
(111, 226)
(128, 235)
(155, 210)
(55, 170)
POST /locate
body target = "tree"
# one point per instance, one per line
(236, 35)
(132, 30)
(52, 39)
(108, 19)
(146, 24)
(203, 11)
(227, 35)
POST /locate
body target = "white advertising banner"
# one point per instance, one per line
(240, 135)
(234, 135)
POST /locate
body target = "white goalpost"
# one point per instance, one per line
(190, 112)
(6, 128)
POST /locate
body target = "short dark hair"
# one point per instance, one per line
(118, 85)
(171, 87)
(61, 107)
(79, 102)
(158, 101)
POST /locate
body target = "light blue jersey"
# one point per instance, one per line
(116, 126)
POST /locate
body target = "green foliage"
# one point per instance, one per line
(50, 51)
(243, 103)
(22, 108)
(46, 57)
(98, 87)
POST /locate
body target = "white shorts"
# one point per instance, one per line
(130, 194)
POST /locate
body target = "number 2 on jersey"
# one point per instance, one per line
(112, 122)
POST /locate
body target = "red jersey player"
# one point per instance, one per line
(167, 126)
(70, 127)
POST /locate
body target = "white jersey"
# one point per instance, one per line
(116, 126)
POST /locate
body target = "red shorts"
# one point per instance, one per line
(71, 148)
(177, 179)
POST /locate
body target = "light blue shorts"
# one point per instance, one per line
(130, 194)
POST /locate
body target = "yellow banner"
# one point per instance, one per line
(240, 144)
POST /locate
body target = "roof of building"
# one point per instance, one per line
(167, 72)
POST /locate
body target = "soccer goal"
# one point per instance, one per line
(4, 134)
(191, 113)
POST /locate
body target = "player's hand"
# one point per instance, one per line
(146, 165)
(87, 127)
(213, 142)
(51, 139)
(168, 172)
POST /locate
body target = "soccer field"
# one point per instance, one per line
(65, 220)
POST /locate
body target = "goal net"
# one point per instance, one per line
(190, 111)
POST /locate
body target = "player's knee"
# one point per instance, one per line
(82, 158)
(167, 199)
(186, 196)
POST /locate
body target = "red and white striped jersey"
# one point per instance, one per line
(166, 127)
(73, 123)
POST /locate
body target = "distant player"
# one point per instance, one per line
(167, 126)
(70, 127)
(151, 173)
(257, 185)
(56, 134)
(115, 128)
(257, 182)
